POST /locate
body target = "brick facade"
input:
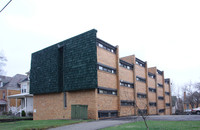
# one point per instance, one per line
(122, 84)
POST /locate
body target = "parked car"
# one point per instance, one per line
(187, 111)
(196, 111)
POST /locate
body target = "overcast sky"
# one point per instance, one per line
(166, 33)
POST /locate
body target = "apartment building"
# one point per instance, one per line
(85, 70)
(9, 86)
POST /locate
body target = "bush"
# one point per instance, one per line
(30, 114)
(4, 113)
(23, 113)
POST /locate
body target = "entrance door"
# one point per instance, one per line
(79, 112)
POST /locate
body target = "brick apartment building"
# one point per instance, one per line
(84, 70)
(9, 86)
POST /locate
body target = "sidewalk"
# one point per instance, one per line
(94, 125)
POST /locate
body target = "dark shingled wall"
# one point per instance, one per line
(76, 69)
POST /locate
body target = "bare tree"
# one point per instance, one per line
(192, 94)
(141, 108)
(143, 114)
(197, 86)
(3, 61)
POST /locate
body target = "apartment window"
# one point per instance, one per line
(126, 84)
(125, 65)
(65, 99)
(160, 98)
(4, 95)
(106, 46)
(167, 93)
(107, 113)
(106, 68)
(140, 79)
(161, 110)
(152, 90)
(127, 103)
(142, 111)
(152, 104)
(167, 104)
(159, 72)
(167, 81)
(103, 90)
(153, 76)
(140, 62)
(160, 85)
(1, 84)
(141, 95)
(187, 106)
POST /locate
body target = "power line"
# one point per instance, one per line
(5, 6)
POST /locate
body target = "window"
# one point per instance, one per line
(187, 106)
(168, 104)
(23, 88)
(106, 46)
(152, 90)
(106, 113)
(126, 84)
(65, 99)
(167, 93)
(152, 104)
(160, 85)
(125, 65)
(160, 98)
(4, 95)
(142, 111)
(1, 84)
(127, 103)
(106, 68)
(167, 81)
(141, 95)
(103, 90)
(140, 62)
(140, 79)
(161, 110)
(160, 72)
(153, 76)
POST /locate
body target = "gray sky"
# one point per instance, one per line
(166, 34)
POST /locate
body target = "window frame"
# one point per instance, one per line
(152, 90)
(140, 62)
(125, 64)
(126, 84)
(127, 103)
(141, 95)
(141, 79)
(106, 68)
(108, 91)
(102, 44)
(160, 97)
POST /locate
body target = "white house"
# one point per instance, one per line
(26, 98)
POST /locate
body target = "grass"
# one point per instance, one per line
(36, 124)
(159, 125)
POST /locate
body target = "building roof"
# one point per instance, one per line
(12, 82)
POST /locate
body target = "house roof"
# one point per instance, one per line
(5, 79)
(12, 82)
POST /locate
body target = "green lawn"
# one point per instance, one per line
(37, 124)
(159, 125)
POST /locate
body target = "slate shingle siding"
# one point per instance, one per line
(79, 66)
